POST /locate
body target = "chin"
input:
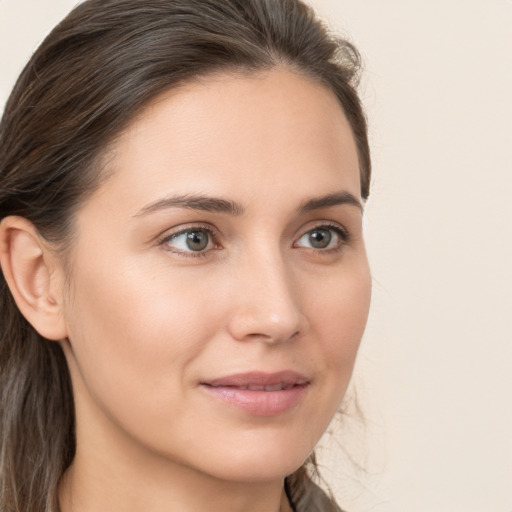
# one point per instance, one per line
(258, 460)
(259, 471)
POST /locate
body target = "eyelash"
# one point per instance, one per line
(212, 234)
(342, 233)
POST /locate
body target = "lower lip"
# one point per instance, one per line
(259, 403)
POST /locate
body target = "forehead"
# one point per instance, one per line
(245, 135)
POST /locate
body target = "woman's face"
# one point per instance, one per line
(219, 284)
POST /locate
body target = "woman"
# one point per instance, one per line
(185, 283)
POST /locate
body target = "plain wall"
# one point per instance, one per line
(434, 375)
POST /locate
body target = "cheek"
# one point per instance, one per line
(136, 308)
(134, 334)
(339, 316)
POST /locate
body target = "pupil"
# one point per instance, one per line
(197, 240)
(320, 238)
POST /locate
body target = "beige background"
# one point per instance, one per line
(434, 373)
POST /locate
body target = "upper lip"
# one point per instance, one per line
(256, 378)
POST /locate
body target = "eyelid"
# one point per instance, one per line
(328, 224)
(340, 230)
(167, 235)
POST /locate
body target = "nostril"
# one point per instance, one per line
(269, 337)
(251, 328)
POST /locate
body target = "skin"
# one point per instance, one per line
(147, 319)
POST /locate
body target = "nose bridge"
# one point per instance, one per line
(266, 306)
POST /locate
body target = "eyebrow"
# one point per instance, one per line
(193, 202)
(335, 199)
(219, 205)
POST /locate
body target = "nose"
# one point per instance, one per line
(265, 303)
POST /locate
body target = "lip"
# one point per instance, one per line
(259, 393)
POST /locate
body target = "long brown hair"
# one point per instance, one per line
(97, 69)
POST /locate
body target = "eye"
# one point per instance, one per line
(323, 238)
(193, 240)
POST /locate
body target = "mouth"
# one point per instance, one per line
(275, 387)
(259, 393)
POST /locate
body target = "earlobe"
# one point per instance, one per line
(24, 259)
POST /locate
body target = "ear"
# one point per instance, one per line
(32, 276)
